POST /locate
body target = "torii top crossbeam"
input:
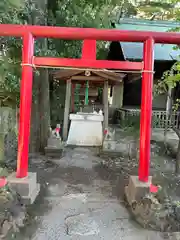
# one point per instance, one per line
(69, 33)
(88, 60)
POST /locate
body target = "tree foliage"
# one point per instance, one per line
(155, 9)
(23, 11)
(169, 82)
(79, 13)
(9, 47)
(75, 13)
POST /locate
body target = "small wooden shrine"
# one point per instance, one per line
(91, 85)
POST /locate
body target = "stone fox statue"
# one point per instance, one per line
(56, 132)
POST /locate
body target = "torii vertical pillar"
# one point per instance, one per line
(25, 105)
(24, 182)
(141, 185)
(146, 110)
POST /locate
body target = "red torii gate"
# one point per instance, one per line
(28, 33)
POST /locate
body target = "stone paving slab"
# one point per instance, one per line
(90, 214)
(79, 217)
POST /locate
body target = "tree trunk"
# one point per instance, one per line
(44, 108)
(178, 159)
(66, 109)
(44, 104)
(35, 119)
(168, 113)
(106, 107)
(40, 120)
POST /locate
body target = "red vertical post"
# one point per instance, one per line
(25, 105)
(88, 53)
(146, 110)
(89, 49)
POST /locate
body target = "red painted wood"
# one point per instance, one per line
(89, 49)
(83, 63)
(70, 33)
(25, 106)
(146, 110)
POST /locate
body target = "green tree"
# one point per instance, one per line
(9, 47)
(169, 82)
(75, 13)
(155, 9)
(59, 13)
(166, 10)
(25, 12)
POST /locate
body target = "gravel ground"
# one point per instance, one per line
(81, 198)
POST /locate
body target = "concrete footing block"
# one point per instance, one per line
(109, 145)
(54, 143)
(136, 189)
(54, 152)
(54, 148)
(27, 187)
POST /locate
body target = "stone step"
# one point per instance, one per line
(54, 143)
(53, 152)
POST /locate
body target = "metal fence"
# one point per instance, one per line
(159, 118)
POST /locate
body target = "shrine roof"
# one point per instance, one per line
(90, 75)
(134, 51)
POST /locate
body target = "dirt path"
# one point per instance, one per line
(78, 200)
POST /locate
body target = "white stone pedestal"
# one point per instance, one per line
(85, 129)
